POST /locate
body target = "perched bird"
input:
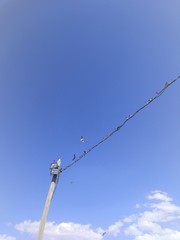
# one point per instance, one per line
(150, 100)
(130, 116)
(82, 139)
(74, 157)
(167, 84)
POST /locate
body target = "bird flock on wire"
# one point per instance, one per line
(149, 101)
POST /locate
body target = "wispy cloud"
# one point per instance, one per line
(5, 237)
(159, 195)
(156, 220)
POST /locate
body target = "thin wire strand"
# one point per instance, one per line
(158, 94)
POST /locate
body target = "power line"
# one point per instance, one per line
(158, 94)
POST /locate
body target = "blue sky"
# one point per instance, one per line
(72, 68)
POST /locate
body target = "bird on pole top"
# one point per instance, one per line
(59, 162)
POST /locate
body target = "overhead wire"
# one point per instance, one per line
(158, 94)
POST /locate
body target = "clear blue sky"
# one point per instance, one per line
(72, 68)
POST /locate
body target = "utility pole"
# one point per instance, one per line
(54, 171)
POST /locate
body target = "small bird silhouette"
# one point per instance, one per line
(74, 157)
(167, 84)
(149, 100)
(82, 139)
(103, 233)
(130, 116)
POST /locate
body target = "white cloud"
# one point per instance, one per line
(150, 224)
(155, 221)
(137, 205)
(159, 195)
(28, 227)
(129, 219)
(114, 229)
(166, 234)
(5, 237)
(63, 231)
(66, 231)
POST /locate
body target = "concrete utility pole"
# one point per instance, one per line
(54, 171)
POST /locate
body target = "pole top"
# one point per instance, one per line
(55, 167)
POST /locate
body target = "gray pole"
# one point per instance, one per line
(47, 205)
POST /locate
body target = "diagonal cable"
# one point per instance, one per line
(158, 94)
